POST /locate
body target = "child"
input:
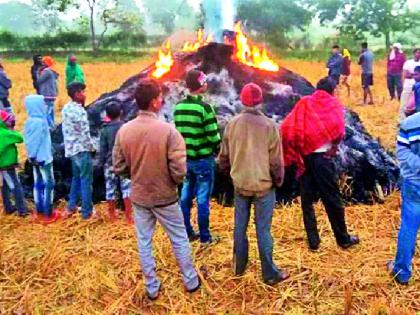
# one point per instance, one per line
(38, 147)
(109, 132)
(5, 85)
(78, 148)
(408, 154)
(8, 163)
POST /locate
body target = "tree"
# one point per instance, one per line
(376, 17)
(273, 18)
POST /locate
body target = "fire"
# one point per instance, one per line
(165, 61)
(250, 54)
(200, 42)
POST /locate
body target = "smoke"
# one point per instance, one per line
(218, 16)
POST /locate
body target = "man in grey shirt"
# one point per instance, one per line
(366, 62)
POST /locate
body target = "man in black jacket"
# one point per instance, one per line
(35, 71)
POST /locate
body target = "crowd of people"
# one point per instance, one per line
(146, 159)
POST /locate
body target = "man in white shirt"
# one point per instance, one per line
(408, 79)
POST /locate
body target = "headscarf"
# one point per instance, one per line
(8, 119)
(346, 53)
(48, 61)
(392, 55)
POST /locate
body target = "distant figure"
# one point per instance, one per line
(252, 154)
(335, 64)
(408, 80)
(39, 152)
(35, 69)
(312, 132)
(47, 84)
(153, 154)
(196, 121)
(8, 165)
(5, 85)
(416, 88)
(78, 147)
(408, 154)
(366, 62)
(346, 70)
(113, 181)
(74, 72)
(396, 60)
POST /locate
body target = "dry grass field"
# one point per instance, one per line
(74, 267)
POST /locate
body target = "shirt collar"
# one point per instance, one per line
(147, 113)
(254, 111)
(195, 98)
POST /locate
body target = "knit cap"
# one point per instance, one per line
(251, 95)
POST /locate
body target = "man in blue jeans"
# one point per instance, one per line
(252, 151)
(408, 153)
(196, 121)
(78, 147)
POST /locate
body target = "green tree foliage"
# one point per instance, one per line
(274, 18)
(375, 17)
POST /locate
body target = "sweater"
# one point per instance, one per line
(47, 83)
(5, 84)
(8, 150)
(36, 130)
(107, 141)
(152, 153)
(74, 73)
(196, 121)
(252, 151)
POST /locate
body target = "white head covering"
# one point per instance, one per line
(392, 54)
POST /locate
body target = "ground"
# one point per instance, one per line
(74, 267)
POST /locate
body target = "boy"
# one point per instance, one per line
(38, 146)
(78, 147)
(196, 121)
(107, 141)
(366, 63)
(252, 152)
(153, 153)
(408, 153)
(335, 64)
(8, 163)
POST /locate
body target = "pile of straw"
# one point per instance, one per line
(72, 267)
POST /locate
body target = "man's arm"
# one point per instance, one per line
(44, 76)
(119, 161)
(211, 128)
(85, 130)
(5, 81)
(275, 152)
(361, 59)
(103, 147)
(177, 156)
(404, 153)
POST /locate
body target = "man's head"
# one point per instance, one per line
(48, 61)
(397, 47)
(416, 53)
(148, 95)
(72, 59)
(326, 84)
(37, 59)
(76, 91)
(196, 81)
(251, 95)
(417, 74)
(335, 49)
(1, 63)
(364, 45)
(113, 110)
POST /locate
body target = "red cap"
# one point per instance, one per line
(251, 95)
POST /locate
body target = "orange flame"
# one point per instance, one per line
(165, 61)
(250, 54)
(200, 42)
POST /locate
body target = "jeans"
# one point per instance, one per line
(320, 178)
(81, 183)
(198, 183)
(50, 113)
(11, 184)
(263, 217)
(170, 218)
(44, 188)
(410, 224)
(394, 83)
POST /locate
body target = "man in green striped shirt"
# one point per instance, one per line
(196, 121)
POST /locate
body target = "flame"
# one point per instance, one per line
(250, 54)
(165, 61)
(200, 42)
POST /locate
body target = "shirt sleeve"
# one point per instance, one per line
(404, 153)
(85, 130)
(177, 156)
(275, 152)
(119, 161)
(211, 127)
(407, 66)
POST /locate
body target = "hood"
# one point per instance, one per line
(48, 61)
(35, 106)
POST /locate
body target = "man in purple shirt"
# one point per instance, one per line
(395, 63)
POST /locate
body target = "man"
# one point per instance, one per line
(78, 147)
(196, 122)
(408, 153)
(153, 154)
(408, 79)
(47, 85)
(366, 62)
(312, 133)
(252, 152)
(335, 64)
(5, 85)
(396, 60)
(74, 72)
(35, 69)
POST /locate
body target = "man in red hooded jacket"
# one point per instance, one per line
(311, 135)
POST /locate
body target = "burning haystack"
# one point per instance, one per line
(367, 168)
